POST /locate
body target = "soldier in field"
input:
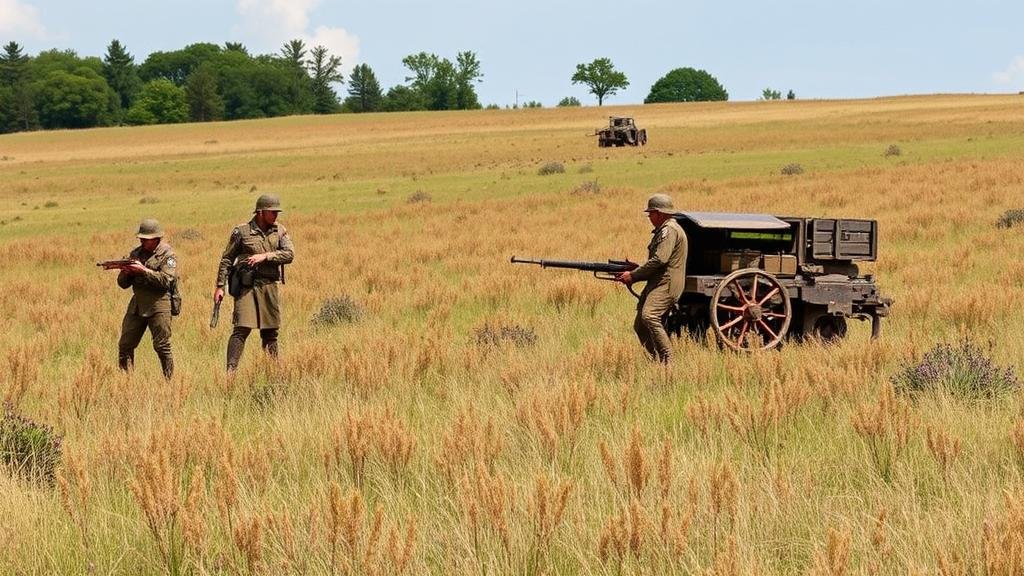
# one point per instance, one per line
(151, 271)
(663, 273)
(252, 266)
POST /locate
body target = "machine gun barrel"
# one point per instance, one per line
(609, 267)
(602, 270)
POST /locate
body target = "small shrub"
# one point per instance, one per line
(149, 200)
(28, 449)
(494, 337)
(189, 234)
(340, 310)
(893, 150)
(551, 168)
(50, 204)
(587, 187)
(1011, 218)
(568, 102)
(792, 170)
(586, 169)
(961, 369)
(419, 197)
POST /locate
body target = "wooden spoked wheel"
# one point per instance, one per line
(750, 310)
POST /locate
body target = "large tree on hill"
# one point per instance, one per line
(686, 85)
(204, 102)
(121, 73)
(601, 77)
(324, 69)
(364, 94)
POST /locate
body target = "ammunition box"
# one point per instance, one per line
(743, 259)
(780, 264)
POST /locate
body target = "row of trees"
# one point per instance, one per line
(202, 82)
(679, 85)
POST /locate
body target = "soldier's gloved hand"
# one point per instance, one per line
(255, 259)
(218, 295)
(625, 277)
(135, 268)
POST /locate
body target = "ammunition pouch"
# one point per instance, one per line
(240, 278)
(175, 295)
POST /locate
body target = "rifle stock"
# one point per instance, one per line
(115, 264)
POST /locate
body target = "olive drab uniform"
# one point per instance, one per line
(664, 274)
(257, 306)
(150, 306)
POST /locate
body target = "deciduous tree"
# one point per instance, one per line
(601, 77)
(686, 85)
(159, 102)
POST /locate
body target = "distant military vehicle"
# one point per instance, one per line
(620, 132)
(755, 279)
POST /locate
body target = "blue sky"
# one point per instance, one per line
(819, 49)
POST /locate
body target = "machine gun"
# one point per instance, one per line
(602, 270)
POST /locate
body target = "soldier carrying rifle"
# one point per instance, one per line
(151, 271)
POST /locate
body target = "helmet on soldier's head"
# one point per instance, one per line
(268, 202)
(149, 229)
(660, 203)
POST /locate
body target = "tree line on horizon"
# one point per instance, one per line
(204, 82)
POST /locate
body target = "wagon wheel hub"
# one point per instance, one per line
(750, 310)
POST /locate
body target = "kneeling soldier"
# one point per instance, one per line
(663, 272)
(255, 256)
(151, 276)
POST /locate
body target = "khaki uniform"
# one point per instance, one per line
(664, 274)
(150, 306)
(259, 306)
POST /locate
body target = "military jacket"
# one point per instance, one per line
(666, 260)
(258, 306)
(246, 240)
(151, 290)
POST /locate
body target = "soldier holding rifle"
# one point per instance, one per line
(663, 272)
(251, 268)
(151, 271)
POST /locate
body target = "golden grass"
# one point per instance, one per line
(406, 442)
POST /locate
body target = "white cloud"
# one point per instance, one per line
(18, 18)
(338, 42)
(271, 23)
(1012, 73)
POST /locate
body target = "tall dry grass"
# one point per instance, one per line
(486, 418)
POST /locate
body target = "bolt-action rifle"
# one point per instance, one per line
(116, 264)
(602, 270)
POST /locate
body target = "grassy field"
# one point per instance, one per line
(482, 418)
